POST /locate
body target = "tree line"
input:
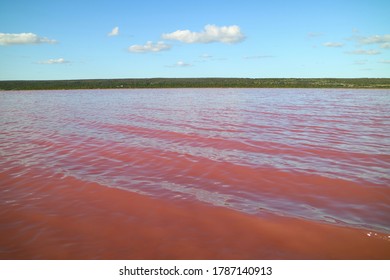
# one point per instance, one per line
(197, 83)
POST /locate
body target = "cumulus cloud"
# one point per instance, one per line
(386, 61)
(211, 33)
(114, 32)
(333, 44)
(54, 61)
(149, 47)
(364, 52)
(23, 39)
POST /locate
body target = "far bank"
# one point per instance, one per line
(375, 83)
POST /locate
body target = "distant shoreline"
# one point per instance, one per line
(365, 83)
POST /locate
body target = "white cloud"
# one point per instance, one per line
(387, 61)
(180, 63)
(114, 32)
(54, 61)
(385, 46)
(23, 39)
(211, 33)
(149, 47)
(376, 39)
(364, 52)
(333, 44)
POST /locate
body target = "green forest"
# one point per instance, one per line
(197, 83)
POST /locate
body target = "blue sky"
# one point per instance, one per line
(71, 39)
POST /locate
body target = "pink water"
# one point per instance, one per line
(195, 174)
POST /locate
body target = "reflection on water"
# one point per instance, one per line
(148, 161)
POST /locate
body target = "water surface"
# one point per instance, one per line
(183, 173)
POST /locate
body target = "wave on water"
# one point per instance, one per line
(306, 155)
